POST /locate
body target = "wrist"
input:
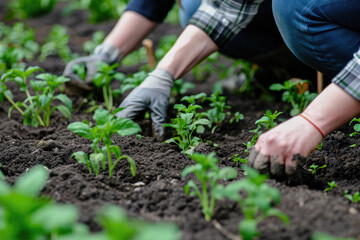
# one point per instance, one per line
(313, 123)
(108, 53)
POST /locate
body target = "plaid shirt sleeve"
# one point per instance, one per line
(349, 78)
(223, 19)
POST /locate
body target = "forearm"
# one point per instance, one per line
(192, 46)
(129, 31)
(333, 108)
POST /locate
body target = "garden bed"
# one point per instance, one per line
(156, 192)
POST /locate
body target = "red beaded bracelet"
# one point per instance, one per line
(312, 123)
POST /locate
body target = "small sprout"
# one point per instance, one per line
(331, 184)
(320, 146)
(138, 136)
(314, 168)
(236, 118)
(356, 127)
(353, 145)
(238, 159)
(353, 198)
(268, 120)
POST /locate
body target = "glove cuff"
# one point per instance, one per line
(160, 79)
(108, 53)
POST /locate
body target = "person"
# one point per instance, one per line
(326, 36)
(239, 29)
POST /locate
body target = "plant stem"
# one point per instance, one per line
(31, 102)
(109, 160)
(13, 103)
(205, 202)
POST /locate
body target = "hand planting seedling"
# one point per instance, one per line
(353, 198)
(103, 78)
(256, 202)
(298, 99)
(332, 185)
(106, 125)
(216, 114)
(208, 173)
(314, 168)
(186, 122)
(57, 44)
(37, 108)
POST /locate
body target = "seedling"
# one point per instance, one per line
(117, 226)
(57, 44)
(24, 215)
(237, 159)
(21, 38)
(208, 173)
(90, 45)
(37, 108)
(353, 198)
(299, 99)
(106, 125)
(186, 122)
(130, 82)
(332, 185)
(193, 98)
(268, 120)
(314, 168)
(10, 58)
(356, 127)
(236, 118)
(103, 78)
(216, 114)
(23, 9)
(320, 146)
(180, 87)
(258, 203)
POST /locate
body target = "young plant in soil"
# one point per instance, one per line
(356, 127)
(57, 44)
(10, 57)
(101, 133)
(256, 200)
(216, 114)
(208, 173)
(237, 159)
(295, 93)
(24, 215)
(332, 185)
(103, 78)
(353, 198)
(21, 38)
(117, 226)
(37, 108)
(186, 122)
(236, 118)
(314, 168)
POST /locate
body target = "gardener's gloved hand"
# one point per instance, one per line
(275, 149)
(102, 53)
(153, 94)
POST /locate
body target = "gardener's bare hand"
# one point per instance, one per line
(274, 150)
(153, 95)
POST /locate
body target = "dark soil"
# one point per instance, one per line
(156, 193)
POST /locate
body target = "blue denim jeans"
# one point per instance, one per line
(259, 37)
(323, 34)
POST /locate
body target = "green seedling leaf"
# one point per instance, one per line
(32, 182)
(80, 128)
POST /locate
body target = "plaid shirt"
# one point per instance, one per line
(349, 78)
(223, 19)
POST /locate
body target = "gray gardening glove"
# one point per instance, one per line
(102, 53)
(153, 94)
(267, 164)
